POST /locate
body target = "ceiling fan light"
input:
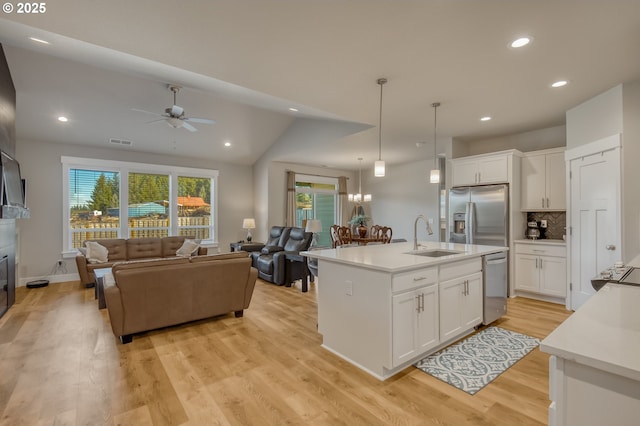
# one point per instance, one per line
(434, 176)
(378, 168)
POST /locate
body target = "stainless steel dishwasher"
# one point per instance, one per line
(495, 273)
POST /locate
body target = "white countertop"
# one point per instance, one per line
(604, 333)
(394, 257)
(543, 241)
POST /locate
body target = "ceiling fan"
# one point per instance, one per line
(175, 117)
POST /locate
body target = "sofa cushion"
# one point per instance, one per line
(96, 252)
(265, 264)
(188, 248)
(170, 245)
(117, 248)
(144, 248)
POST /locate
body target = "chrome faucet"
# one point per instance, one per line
(415, 230)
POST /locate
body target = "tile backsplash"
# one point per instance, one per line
(556, 223)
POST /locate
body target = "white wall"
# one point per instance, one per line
(41, 235)
(595, 119)
(552, 137)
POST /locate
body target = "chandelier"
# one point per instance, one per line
(358, 198)
(435, 172)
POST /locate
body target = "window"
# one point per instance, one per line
(108, 199)
(316, 198)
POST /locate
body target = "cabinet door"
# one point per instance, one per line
(527, 276)
(472, 301)
(465, 172)
(553, 276)
(493, 169)
(405, 318)
(555, 182)
(451, 294)
(533, 182)
(428, 333)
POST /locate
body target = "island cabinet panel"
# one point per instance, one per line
(415, 322)
(460, 305)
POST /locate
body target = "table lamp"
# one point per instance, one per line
(249, 224)
(314, 226)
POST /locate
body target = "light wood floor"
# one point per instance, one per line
(60, 364)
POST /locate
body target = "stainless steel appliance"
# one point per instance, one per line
(494, 270)
(533, 232)
(480, 215)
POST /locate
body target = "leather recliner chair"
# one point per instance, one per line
(278, 236)
(271, 262)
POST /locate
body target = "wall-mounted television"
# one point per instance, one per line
(12, 189)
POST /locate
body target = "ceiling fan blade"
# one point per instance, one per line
(199, 120)
(146, 112)
(188, 126)
(159, 120)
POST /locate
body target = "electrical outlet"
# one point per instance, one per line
(348, 288)
(543, 223)
(430, 221)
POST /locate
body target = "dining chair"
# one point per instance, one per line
(344, 235)
(335, 238)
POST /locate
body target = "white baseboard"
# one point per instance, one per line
(52, 279)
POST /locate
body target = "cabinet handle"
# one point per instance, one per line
(538, 251)
(418, 302)
(542, 202)
(547, 203)
(422, 301)
(540, 263)
(419, 279)
(536, 263)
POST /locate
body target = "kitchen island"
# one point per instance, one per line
(384, 307)
(594, 368)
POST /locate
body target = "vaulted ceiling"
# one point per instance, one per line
(245, 63)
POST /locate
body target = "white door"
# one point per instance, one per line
(428, 319)
(553, 275)
(533, 182)
(472, 309)
(555, 177)
(595, 220)
(405, 317)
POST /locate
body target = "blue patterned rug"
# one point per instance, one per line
(476, 361)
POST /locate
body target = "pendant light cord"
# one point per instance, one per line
(381, 82)
(435, 106)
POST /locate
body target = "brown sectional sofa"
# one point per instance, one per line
(121, 249)
(145, 295)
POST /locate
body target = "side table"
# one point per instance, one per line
(99, 287)
(246, 246)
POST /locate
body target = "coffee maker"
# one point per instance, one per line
(533, 231)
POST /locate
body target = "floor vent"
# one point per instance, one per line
(120, 142)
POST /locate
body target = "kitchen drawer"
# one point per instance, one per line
(449, 271)
(414, 279)
(541, 249)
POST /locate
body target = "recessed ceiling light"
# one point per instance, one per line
(520, 42)
(63, 119)
(559, 83)
(227, 144)
(38, 40)
(485, 118)
(293, 109)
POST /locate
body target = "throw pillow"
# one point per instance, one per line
(96, 253)
(189, 247)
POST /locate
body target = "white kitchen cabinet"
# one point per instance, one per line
(480, 170)
(460, 304)
(415, 322)
(543, 181)
(541, 268)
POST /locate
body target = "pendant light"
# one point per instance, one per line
(358, 198)
(435, 172)
(378, 167)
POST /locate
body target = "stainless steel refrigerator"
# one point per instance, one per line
(480, 215)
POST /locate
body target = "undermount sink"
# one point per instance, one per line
(434, 253)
